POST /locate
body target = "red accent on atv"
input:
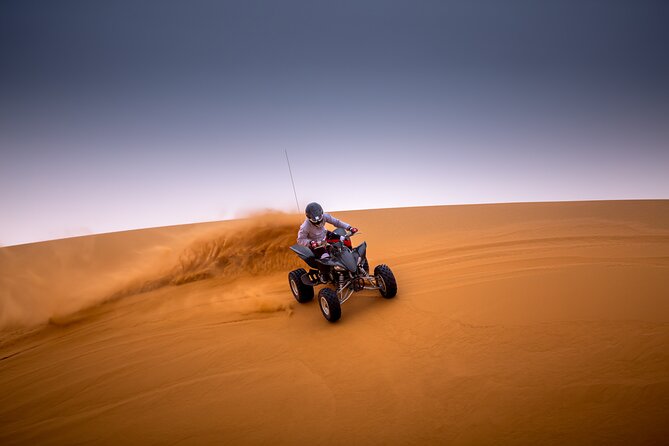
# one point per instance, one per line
(347, 241)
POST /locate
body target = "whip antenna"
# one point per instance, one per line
(297, 204)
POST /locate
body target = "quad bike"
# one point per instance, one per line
(346, 269)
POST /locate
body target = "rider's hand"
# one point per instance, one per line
(313, 244)
(353, 230)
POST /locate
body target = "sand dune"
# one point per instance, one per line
(544, 323)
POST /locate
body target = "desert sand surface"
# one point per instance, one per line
(529, 323)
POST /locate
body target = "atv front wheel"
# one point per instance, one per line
(330, 306)
(302, 292)
(385, 279)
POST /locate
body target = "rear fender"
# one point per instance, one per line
(305, 254)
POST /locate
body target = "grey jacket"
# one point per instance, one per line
(308, 231)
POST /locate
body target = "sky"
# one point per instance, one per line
(132, 114)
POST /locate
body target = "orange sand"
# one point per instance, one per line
(514, 324)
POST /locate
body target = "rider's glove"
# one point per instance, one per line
(313, 244)
(352, 229)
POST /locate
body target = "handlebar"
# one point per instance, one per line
(324, 243)
(349, 234)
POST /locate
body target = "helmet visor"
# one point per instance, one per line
(317, 220)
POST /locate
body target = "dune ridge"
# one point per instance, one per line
(525, 323)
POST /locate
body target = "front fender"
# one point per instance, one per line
(362, 249)
(349, 261)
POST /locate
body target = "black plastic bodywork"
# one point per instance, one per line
(305, 254)
(342, 259)
(349, 260)
(361, 249)
(341, 232)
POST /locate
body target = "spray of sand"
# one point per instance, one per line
(260, 246)
(58, 286)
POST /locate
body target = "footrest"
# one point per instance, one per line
(310, 278)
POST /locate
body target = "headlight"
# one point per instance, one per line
(339, 268)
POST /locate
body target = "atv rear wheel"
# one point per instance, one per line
(385, 279)
(302, 292)
(330, 306)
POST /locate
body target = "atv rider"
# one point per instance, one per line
(312, 232)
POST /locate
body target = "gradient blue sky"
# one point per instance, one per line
(129, 114)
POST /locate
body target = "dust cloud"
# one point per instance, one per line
(46, 282)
